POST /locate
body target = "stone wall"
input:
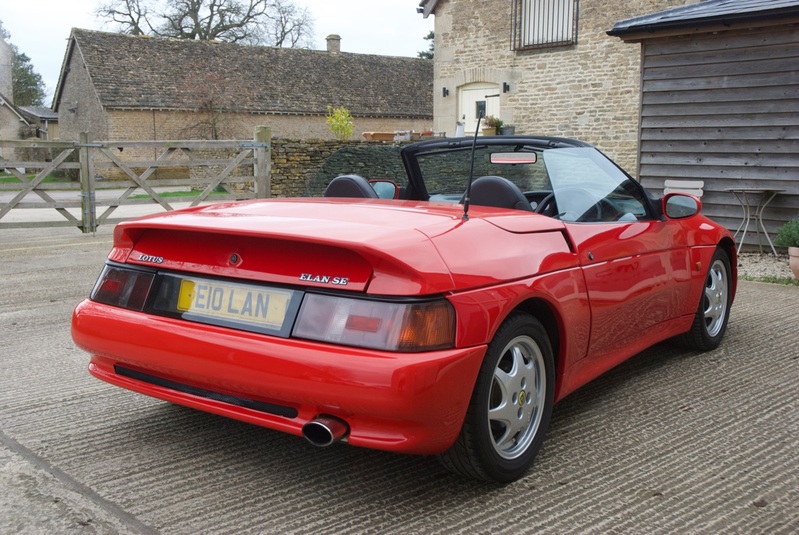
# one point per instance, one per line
(296, 164)
(588, 91)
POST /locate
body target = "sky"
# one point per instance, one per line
(40, 28)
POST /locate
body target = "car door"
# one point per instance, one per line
(636, 264)
(637, 274)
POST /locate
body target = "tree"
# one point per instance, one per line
(27, 85)
(129, 15)
(217, 112)
(430, 52)
(287, 26)
(263, 22)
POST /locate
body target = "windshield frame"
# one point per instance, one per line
(610, 179)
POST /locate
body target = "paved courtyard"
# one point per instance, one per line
(672, 441)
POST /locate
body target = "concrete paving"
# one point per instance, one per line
(672, 441)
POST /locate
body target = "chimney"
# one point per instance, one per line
(334, 43)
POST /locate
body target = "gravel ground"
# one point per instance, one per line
(758, 266)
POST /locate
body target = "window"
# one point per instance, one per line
(541, 23)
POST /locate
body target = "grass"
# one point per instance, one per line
(176, 194)
(771, 279)
(11, 179)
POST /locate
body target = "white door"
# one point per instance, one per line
(474, 99)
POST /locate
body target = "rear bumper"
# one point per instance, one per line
(410, 403)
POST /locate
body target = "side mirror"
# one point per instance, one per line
(681, 205)
(385, 189)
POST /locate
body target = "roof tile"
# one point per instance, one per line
(157, 73)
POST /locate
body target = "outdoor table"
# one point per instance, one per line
(753, 202)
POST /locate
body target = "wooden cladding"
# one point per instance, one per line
(724, 108)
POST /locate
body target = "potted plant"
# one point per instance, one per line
(491, 125)
(788, 236)
(507, 130)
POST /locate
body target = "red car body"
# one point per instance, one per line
(603, 291)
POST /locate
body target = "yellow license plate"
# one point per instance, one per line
(234, 303)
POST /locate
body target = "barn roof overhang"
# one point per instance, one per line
(709, 15)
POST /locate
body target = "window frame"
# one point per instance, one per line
(529, 33)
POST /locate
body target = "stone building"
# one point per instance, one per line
(544, 66)
(6, 68)
(119, 87)
(12, 122)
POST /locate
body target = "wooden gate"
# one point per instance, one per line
(77, 178)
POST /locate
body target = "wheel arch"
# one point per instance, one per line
(548, 316)
(728, 245)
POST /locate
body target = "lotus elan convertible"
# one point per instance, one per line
(440, 307)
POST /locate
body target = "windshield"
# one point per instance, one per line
(585, 186)
(585, 182)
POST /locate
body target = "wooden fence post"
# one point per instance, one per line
(88, 202)
(263, 162)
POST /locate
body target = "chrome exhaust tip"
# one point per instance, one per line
(323, 431)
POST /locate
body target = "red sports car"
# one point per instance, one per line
(418, 311)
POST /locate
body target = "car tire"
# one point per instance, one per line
(713, 313)
(511, 405)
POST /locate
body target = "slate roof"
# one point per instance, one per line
(39, 112)
(130, 72)
(426, 7)
(707, 12)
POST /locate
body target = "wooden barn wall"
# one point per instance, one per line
(724, 108)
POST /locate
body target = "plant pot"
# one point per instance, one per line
(793, 252)
(489, 130)
(507, 130)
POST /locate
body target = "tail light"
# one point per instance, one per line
(389, 326)
(123, 287)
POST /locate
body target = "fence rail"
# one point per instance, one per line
(110, 174)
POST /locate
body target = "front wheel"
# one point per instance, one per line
(710, 321)
(510, 407)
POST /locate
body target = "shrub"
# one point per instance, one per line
(788, 234)
(490, 121)
(339, 121)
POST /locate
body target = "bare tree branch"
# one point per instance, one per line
(262, 22)
(287, 26)
(129, 15)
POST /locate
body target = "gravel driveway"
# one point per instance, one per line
(671, 441)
